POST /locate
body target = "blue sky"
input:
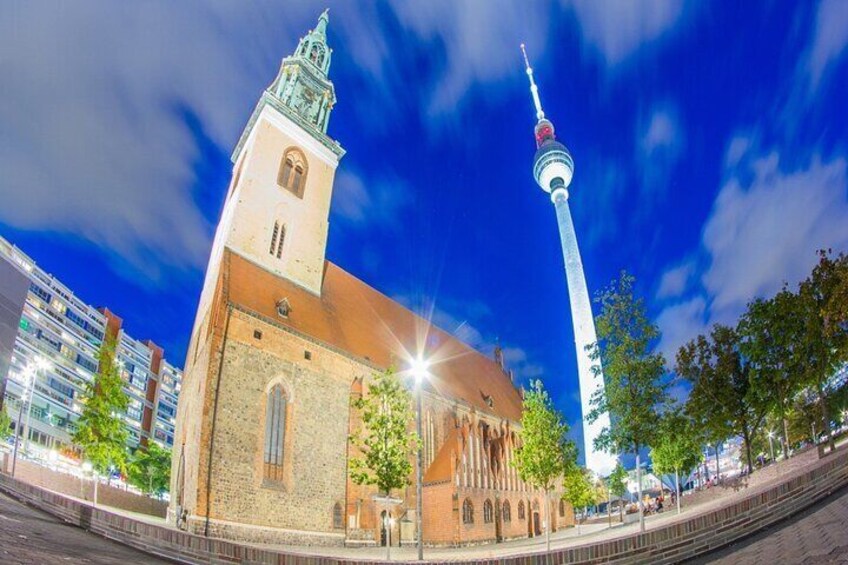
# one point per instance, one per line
(709, 142)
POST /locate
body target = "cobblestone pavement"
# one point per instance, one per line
(30, 536)
(816, 535)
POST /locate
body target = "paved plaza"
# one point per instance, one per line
(34, 537)
(817, 535)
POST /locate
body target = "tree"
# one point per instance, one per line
(545, 454)
(101, 434)
(769, 339)
(5, 424)
(149, 469)
(823, 337)
(676, 449)
(385, 441)
(721, 399)
(634, 387)
(617, 483)
(579, 490)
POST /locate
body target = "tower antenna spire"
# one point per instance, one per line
(534, 90)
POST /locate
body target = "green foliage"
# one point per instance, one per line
(386, 443)
(676, 449)
(617, 480)
(634, 377)
(150, 469)
(579, 489)
(101, 434)
(545, 453)
(769, 339)
(722, 399)
(5, 424)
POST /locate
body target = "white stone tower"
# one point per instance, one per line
(553, 168)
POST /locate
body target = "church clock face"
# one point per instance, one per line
(305, 102)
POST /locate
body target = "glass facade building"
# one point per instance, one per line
(67, 333)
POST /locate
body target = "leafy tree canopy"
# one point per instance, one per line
(545, 454)
(385, 441)
(149, 469)
(677, 449)
(634, 376)
(101, 434)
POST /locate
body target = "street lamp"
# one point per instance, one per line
(29, 373)
(771, 445)
(420, 370)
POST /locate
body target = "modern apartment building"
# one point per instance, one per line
(67, 333)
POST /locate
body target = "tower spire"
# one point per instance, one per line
(534, 90)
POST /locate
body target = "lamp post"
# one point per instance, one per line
(771, 445)
(420, 372)
(29, 373)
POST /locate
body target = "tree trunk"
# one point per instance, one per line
(639, 481)
(621, 510)
(718, 466)
(746, 436)
(785, 437)
(547, 522)
(677, 487)
(826, 418)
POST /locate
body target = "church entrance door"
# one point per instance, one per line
(498, 520)
(537, 526)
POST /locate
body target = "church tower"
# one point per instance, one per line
(277, 208)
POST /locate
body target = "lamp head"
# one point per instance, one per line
(420, 369)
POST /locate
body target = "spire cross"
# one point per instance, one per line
(534, 90)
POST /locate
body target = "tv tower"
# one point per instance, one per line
(553, 168)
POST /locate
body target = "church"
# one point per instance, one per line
(284, 341)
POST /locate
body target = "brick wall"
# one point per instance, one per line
(667, 544)
(73, 486)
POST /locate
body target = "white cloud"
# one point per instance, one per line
(766, 231)
(617, 29)
(659, 145)
(95, 139)
(679, 323)
(377, 203)
(830, 39)
(674, 281)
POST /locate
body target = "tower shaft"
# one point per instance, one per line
(584, 336)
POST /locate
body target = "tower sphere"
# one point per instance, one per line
(553, 166)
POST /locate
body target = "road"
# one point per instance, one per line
(31, 536)
(817, 535)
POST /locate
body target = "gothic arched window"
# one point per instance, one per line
(488, 512)
(275, 433)
(507, 512)
(520, 509)
(467, 512)
(561, 508)
(293, 169)
(338, 519)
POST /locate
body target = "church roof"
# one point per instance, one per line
(362, 322)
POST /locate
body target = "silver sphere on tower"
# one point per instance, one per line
(553, 166)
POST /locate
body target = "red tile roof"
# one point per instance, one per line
(364, 323)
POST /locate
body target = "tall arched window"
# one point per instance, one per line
(275, 433)
(561, 508)
(520, 509)
(488, 512)
(467, 512)
(293, 169)
(338, 519)
(507, 512)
